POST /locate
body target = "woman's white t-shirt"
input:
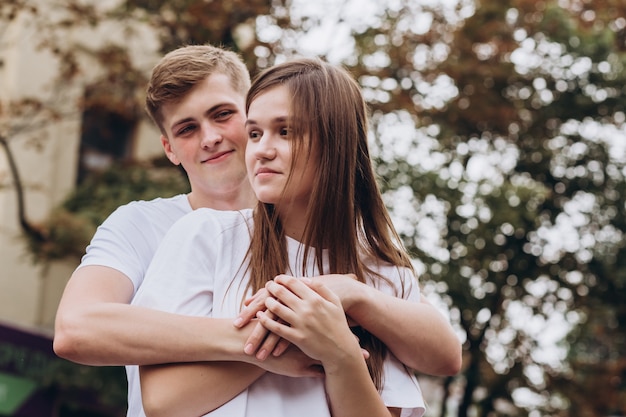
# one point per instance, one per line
(199, 270)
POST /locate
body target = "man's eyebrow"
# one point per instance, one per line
(211, 110)
(180, 122)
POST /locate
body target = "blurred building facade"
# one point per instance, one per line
(48, 156)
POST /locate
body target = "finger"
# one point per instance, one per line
(256, 303)
(300, 287)
(268, 346)
(351, 322)
(256, 338)
(248, 300)
(323, 291)
(280, 310)
(366, 354)
(282, 346)
(278, 328)
(284, 294)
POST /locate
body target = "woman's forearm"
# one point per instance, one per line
(182, 389)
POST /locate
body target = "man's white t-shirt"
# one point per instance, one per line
(128, 239)
(199, 270)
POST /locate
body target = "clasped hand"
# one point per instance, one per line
(302, 311)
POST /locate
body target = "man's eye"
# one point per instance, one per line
(185, 130)
(224, 114)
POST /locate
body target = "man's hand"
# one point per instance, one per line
(261, 343)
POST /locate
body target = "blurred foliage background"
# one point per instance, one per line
(500, 141)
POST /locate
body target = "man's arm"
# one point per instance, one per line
(417, 334)
(95, 325)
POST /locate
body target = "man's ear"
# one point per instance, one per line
(167, 147)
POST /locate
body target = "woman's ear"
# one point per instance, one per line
(167, 147)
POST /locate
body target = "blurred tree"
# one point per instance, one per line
(520, 107)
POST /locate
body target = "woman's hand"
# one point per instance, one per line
(311, 317)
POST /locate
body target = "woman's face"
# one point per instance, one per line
(269, 153)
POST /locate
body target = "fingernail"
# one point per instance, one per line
(262, 355)
(248, 349)
(238, 322)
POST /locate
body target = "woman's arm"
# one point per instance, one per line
(315, 322)
(181, 389)
(189, 389)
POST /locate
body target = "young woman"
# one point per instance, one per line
(319, 212)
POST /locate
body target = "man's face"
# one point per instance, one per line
(206, 135)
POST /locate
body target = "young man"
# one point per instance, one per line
(196, 97)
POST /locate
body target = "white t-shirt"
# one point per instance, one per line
(198, 270)
(129, 237)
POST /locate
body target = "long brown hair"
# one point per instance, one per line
(345, 215)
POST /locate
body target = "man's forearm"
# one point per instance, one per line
(417, 334)
(121, 334)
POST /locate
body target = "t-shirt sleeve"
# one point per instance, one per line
(400, 386)
(399, 282)
(125, 241)
(401, 389)
(181, 276)
(412, 290)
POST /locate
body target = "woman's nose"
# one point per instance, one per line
(265, 147)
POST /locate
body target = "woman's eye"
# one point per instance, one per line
(253, 134)
(284, 131)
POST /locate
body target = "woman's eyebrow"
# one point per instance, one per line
(275, 120)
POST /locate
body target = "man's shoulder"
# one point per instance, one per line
(177, 205)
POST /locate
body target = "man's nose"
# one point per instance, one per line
(211, 136)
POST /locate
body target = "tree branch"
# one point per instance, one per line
(30, 230)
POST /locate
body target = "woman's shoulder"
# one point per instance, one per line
(202, 218)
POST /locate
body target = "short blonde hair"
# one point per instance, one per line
(180, 70)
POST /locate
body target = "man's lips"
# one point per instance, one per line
(218, 156)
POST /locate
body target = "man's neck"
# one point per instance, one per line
(235, 200)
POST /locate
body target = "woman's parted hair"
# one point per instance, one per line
(180, 70)
(346, 215)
